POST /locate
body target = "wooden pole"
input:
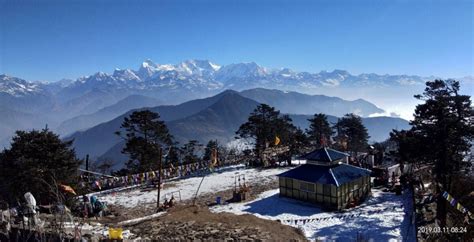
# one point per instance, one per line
(195, 195)
(160, 175)
(87, 168)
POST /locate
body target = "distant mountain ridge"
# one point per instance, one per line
(216, 117)
(54, 103)
(197, 78)
(298, 103)
(107, 113)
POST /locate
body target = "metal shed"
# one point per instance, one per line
(325, 180)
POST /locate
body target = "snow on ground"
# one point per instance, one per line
(221, 179)
(381, 217)
(93, 229)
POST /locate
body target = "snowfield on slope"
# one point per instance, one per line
(383, 217)
(221, 179)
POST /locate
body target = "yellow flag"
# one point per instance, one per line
(214, 157)
(277, 140)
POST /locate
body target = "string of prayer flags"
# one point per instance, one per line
(453, 202)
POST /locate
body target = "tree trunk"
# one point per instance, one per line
(441, 208)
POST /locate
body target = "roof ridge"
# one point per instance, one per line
(325, 150)
(333, 176)
(355, 166)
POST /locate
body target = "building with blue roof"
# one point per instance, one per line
(326, 180)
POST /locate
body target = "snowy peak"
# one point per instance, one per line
(125, 75)
(148, 63)
(201, 65)
(199, 76)
(18, 87)
(241, 70)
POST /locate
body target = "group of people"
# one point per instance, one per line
(93, 207)
(168, 203)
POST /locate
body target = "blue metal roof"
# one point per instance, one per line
(324, 155)
(336, 175)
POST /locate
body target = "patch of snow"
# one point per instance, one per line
(139, 220)
(221, 179)
(381, 217)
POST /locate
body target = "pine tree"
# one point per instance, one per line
(260, 126)
(189, 151)
(444, 125)
(350, 127)
(36, 162)
(145, 136)
(172, 156)
(212, 144)
(319, 130)
(265, 124)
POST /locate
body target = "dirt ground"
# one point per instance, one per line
(119, 213)
(189, 222)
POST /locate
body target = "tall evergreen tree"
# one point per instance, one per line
(444, 124)
(351, 129)
(145, 135)
(190, 150)
(319, 130)
(260, 126)
(36, 162)
(264, 125)
(212, 144)
(172, 156)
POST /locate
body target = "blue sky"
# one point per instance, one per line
(50, 40)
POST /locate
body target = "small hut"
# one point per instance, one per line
(326, 180)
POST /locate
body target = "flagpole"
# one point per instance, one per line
(213, 162)
(195, 195)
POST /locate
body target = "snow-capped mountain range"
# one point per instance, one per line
(18, 87)
(56, 102)
(205, 76)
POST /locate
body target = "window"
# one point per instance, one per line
(282, 182)
(326, 190)
(333, 190)
(296, 184)
(319, 188)
(308, 187)
(296, 193)
(303, 195)
(303, 186)
(283, 191)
